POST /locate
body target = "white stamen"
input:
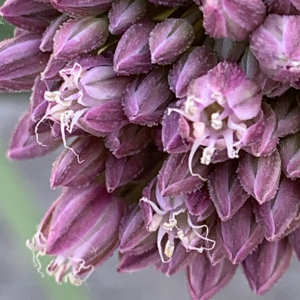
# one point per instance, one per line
(55, 97)
(215, 122)
(219, 98)
(169, 249)
(190, 107)
(206, 155)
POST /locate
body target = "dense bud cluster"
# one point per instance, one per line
(180, 123)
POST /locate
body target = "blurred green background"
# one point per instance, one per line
(19, 215)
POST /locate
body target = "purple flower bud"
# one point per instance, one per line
(215, 255)
(267, 264)
(83, 240)
(241, 234)
(83, 7)
(260, 176)
(48, 36)
(287, 111)
(129, 263)
(83, 168)
(172, 3)
(230, 19)
(127, 61)
(199, 203)
(124, 170)
(134, 237)
(169, 39)
(225, 190)
(124, 13)
(228, 50)
(171, 138)
(38, 104)
(205, 280)
(80, 35)
(282, 7)
(276, 215)
(128, 140)
(268, 141)
(52, 69)
(147, 97)
(104, 118)
(270, 88)
(294, 239)
(275, 44)
(218, 105)
(21, 61)
(174, 177)
(290, 155)
(195, 63)
(29, 15)
(100, 83)
(24, 145)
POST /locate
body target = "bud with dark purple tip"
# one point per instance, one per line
(80, 35)
(174, 177)
(199, 203)
(230, 19)
(266, 265)
(29, 15)
(104, 118)
(225, 189)
(260, 176)
(24, 143)
(147, 97)
(125, 13)
(128, 140)
(82, 8)
(21, 61)
(290, 155)
(276, 215)
(75, 170)
(128, 62)
(172, 3)
(275, 44)
(81, 229)
(268, 141)
(169, 39)
(124, 170)
(47, 41)
(205, 280)
(171, 139)
(240, 235)
(287, 111)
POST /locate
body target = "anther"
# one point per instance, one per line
(215, 122)
(169, 249)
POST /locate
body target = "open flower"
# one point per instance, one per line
(218, 106)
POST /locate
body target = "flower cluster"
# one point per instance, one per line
(179, 122)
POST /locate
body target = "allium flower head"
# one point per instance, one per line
(180, 128)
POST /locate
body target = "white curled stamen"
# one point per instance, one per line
(66, 124)
(205, 238)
